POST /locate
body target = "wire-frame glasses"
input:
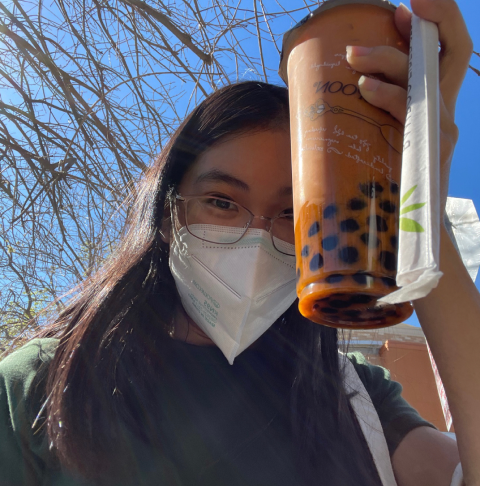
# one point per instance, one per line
(235, 218)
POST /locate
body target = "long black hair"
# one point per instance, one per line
(102, 381)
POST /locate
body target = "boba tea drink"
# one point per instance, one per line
(346, 163)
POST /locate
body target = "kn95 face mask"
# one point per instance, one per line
(233, 292)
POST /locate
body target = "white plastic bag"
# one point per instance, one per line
(463, 224)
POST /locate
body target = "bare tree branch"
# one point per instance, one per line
(165, 21)
(90, 91)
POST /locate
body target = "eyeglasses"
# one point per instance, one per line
(221, 212)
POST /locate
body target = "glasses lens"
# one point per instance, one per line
(284, 235)
(209, 210)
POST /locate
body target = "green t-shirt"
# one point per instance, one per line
(199, 430)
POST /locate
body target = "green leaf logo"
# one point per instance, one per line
(408, 194)
(408, 224)
(411, 208)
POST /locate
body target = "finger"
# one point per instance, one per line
(382, 59)
(391, 98)
(403, 21)
(456, 44)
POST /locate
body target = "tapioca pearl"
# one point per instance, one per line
(298, 274)
(349, 255)
(330, 211)
(334, 278)
(305, 251)
(380, 223)
(388, 260)
(360, 278)
(389, 282)
(356, 204)
(350, 225)
(361, 299)
(338, 303)
(388, 206)
(354, 319)
(316, 262)
(394, 241)
(351, 313)
(329, 311)
(365, 189)
(394, 188)
(330, 242)
(370, 240)
(372, 190)
(314, 229)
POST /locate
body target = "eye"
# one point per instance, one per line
(287, 214)
(221, 204)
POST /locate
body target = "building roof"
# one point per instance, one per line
(376, 338)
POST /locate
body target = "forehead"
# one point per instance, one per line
(259, 159)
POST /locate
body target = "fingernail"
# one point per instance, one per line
(404, 7)
(368, 84)
(358, 51)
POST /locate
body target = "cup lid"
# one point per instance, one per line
(294, 32)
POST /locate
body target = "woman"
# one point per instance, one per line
(126, 387)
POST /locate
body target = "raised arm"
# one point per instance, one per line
(450, 314)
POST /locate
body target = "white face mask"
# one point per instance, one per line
(233, 292)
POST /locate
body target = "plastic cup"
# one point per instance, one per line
(346, 165)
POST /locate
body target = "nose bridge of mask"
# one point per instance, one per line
(253, 238)
(245, 266)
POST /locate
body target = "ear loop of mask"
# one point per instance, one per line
(173, 228)
(188, 329)
(164, 237)
(172, 218)
(165, 220)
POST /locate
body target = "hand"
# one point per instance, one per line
(456, 49)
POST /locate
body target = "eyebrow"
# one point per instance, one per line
(215, 175)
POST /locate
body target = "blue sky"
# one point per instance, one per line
(465, 174)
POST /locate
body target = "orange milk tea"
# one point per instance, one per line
(346, 163)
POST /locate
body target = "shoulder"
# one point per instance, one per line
(364, 367)
(374, 377)
(24, 450)
(397, 417)
(23, 364)
(21, 373)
